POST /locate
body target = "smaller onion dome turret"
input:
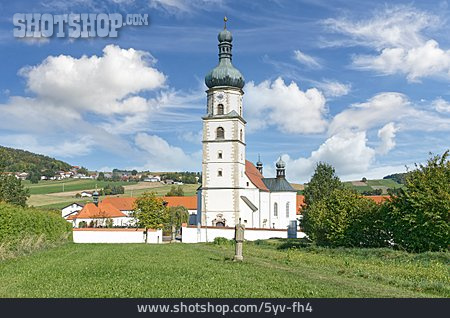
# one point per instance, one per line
(281, 168)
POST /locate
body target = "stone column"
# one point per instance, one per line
(239, 238)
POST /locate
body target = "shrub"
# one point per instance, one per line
(344, 218)
(222, 241)
(418, 216)
(18, 224)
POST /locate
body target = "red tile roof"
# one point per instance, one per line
(103, 210)
(378, 198)
(300, 202)
(72, 217)
(121, 203)
(189, 203)
(255, 176)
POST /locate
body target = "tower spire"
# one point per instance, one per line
(225, 19)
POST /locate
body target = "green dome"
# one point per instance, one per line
(225, 74)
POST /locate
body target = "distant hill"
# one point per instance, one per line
(374, 187)
(16, 160)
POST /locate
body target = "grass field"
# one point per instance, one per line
(46, 187)
(206, 270)
(382, 184)
(62, 199)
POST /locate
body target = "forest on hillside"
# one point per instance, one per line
(17, 160)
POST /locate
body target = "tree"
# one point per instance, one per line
(83, 170)
(34, 178)
(323, 182)
(418, 216)
(344, 218)
(364, 179)
(134, 172)
(12, 190)
(177, 216)
(150, 212)
(101, 176)
(175, 192)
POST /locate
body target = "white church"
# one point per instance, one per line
(234, 189)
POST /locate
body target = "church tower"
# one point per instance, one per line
(223, 163)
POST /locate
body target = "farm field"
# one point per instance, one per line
(60, 199)
(382, 184)
(206, 270)
(46, 187)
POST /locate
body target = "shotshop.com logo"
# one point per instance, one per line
(84, 25)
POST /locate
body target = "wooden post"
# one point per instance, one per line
(239, 238)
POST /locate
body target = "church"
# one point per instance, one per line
(234, 189)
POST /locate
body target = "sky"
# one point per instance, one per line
(361, 85)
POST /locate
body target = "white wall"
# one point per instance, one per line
(70, 209)
(191, 234)
(95, 235)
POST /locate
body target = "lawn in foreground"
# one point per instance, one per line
(206, 270)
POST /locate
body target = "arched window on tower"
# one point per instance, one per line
(275, 209)
(219, 154)
(287, 209)
(220, 133)
(219, 173)
(240, 135)
(220, 109)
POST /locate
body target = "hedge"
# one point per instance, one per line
(18, 223)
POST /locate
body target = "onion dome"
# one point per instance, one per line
(225, 74)
(280, 164)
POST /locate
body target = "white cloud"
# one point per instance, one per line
(78, 146)
(334, 88)
(346, 151)
(106, 84)
(161, 156)
(193, 137)
(387, 138)
(441, 105)
(397, 35)
(185, 6)
(378, 110)
(395, 26)
(306, 59)
(422, 61)
(286, 107)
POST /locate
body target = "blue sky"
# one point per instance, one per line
(363, 85)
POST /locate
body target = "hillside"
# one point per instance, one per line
(17, 160)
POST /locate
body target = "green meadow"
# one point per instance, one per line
(271, 268)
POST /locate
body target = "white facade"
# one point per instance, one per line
(116, 236)
(228, 195)
(71, 209)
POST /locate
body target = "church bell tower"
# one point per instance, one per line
(223, 163)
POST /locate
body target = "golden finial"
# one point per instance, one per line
(225, 19)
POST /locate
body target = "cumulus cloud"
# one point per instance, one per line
(286, 107)
(306, 59)
(421, 61)
(441, 105)
(161, 156)
(397, 35)
(378, 110)
(347, 151)
(107, 84)
(334, 88)
(387, 138)
(79, 103)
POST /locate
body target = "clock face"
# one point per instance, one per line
(220, 96)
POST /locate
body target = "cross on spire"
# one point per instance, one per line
(225, 19)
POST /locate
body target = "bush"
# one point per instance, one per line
(344, 218)
(222, 241)
(18, 224)
(418, 217)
